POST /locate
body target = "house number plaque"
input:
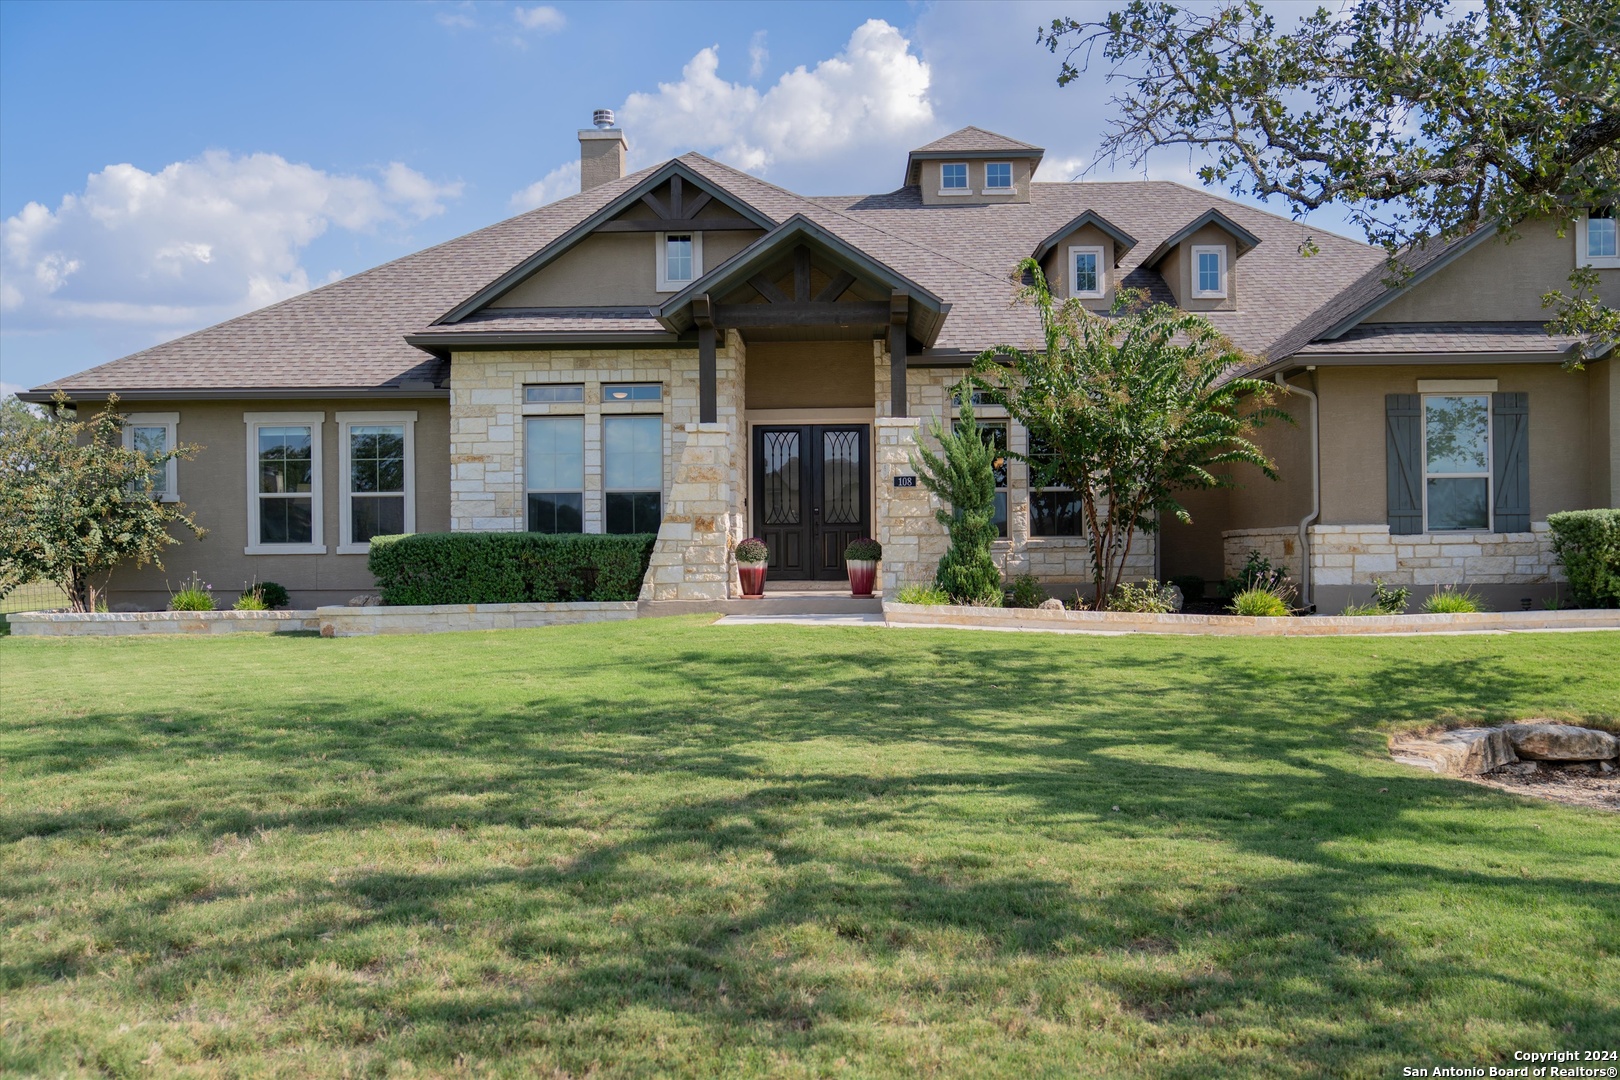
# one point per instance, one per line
(905, 481)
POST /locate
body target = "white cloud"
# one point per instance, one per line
(757, 55)
(556, 184)
(874, 92)
(543, 17)
(460, 19)
(195, 242)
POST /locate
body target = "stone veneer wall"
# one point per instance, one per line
(1279, 546)
(1052, 559)
(1355, 554)
(704, 517)
(487, 411)
(913, 539)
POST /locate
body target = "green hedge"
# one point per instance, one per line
(508, 567)
(1587, 542)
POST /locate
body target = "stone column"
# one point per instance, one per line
(692, 558)
(913, 539)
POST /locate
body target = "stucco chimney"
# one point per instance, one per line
(601, 151)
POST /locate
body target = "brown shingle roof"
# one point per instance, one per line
(976, 140)
(352, 333)
(1373, 339)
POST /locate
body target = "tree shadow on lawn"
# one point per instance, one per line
(891, 858)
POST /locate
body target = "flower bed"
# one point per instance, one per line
(1245, 626)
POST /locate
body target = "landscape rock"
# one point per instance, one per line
(1519, 768)
(1464, 752)
(1561, 742)
(1053, 604)
(1177, 601)
(370, 600)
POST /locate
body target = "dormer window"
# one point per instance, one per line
(1209, 272)
(998, 178)
(1086, 280)
(953, 179)
(1597, 241)
(680, 260)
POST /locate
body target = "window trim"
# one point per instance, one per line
(1582, 243)
(967, 176)
(661, 261)
(315, 421)
(170, 422)
(1102, 273)
(1219, 250)
(554, 386)
(1012, 180)
(345, 421)
(663, 462)
(1490, 463)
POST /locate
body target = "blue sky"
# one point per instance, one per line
(167, 166)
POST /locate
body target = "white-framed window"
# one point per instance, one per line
(1457, 462)
(1209, 271)
(377, 466)
(953, 178)
(633, 473)
(1053, 511)
(554, 473)
(1597, 240)
(998, 177)
(153, 434)
(284, 483)
(680, 260)
(1087, 274)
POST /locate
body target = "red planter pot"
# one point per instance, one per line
(862, 575)
(752, 577)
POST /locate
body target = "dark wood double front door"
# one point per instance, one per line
(812, 496)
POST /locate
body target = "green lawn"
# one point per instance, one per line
(668, 848)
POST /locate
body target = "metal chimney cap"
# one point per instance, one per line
(602, 118)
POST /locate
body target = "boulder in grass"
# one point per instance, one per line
(1051, 604)
(1464, 752)
(1561, 742)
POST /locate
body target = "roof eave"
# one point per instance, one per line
(1123, 241)
(1247, 241)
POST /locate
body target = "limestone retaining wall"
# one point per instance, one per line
(441, 618)
(125, 623)
(1355, 554)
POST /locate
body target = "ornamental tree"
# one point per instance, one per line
(75, 502)
(1427, 119)
(1128, 410)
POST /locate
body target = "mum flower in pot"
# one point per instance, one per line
(861, 557)
(751, 559)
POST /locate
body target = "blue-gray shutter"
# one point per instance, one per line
(1510, 418)
(1403, 461)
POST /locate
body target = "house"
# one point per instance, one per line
(692, 351)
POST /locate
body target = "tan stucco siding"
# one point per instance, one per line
(1058, 268)
(214, 486)
(1258, 502)
(931, 175)
(613, 270)
(1498, 281)
(1353, 465)
(1604, 410)
(1177, 270)
(805, 375)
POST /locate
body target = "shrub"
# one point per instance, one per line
(1255, 567)
(1027, 592)
(251, 600)
(863, 550)
(752, 550)
(1389, 601)
(194, 595)
(1260, 602)
(1451, 602)
(1364, 609)
(963, 475)
(931, 595)
(1146, 596)
(1191, 586)
(273, 595)
(1587, 543)
(509, 567)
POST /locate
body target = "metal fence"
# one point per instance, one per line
(35, 596)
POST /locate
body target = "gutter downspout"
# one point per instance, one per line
(1316, 492)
